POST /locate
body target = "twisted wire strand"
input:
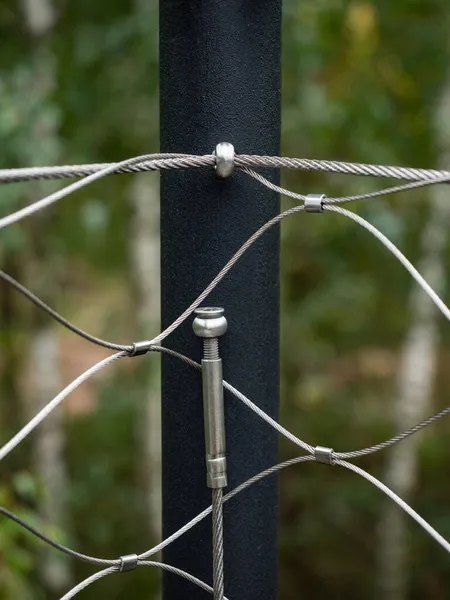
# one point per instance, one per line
(275, 220)
(217, 543)
(180, 573)
(108, 170)
(228, 266)
(84, 557)
(240, 396)
(52, 405)
(142, 557)
(278, 218)
(395, 439)
(224, 271)
(84, 584)
(270, 185)
(237, 490)
(397, 253)
(160, 337)
(403, 505)
(156, 162)
(48, 408)
(145, 563)
(342, 199)
(333, 166)
(425, 286)
(184, 161)
(64, 322)
(387, 191)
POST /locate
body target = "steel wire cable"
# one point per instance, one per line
(240, 396)
(180, 573)
(73, 187)
(64, 322)
(342, 199)
(72, 553)
(258, 477)
(142, 557)
(184, 161)
(156, 162)
(237, 490)
(397, 253)
(116, 562)
(110, 570)
(48, 408)
(336, 456)
(91, 579)
(217, 542)
(387, 191)
(275, 220)
(160, 337)
(333, 166)
(395, 439)
(403, 505)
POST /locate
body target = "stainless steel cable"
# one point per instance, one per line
(146, 563)
(343, 199)
(395, 439)
(294, 439)
(184, 161)
(237, 490)
(217, 543)
(397, 253)
(84, 557)
(277, 219)
(387, 191)
(42, 414)
(217, 279)
(165, 567)
(272, 186)
(403, 505)
(419, 178)
(240, 396)
(156, 162)
(155, 341)
(333, 166)
(73, 187)
(64, 322)
(53, 404)
(84, 584)
(336, 456)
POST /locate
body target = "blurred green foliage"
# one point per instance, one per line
(361, 80)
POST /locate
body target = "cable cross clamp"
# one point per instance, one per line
(140, 348)
(314, 203)
(324, 455)
(128, 562)
(209, 324)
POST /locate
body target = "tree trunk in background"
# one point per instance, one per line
(415, 379)
(49, 454)
(44, 347)
(145, 266)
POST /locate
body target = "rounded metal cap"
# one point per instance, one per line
(224, 153)
(209, 322)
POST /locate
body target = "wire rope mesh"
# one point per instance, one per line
(246, 163)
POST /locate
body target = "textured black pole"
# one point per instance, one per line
(220, 82)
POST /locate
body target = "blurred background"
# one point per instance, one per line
(365, 354)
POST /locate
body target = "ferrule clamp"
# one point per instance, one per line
(128, 562)
(323, 455)
(224, 154)
(314, 203)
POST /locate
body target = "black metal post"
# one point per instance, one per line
(220, 82)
